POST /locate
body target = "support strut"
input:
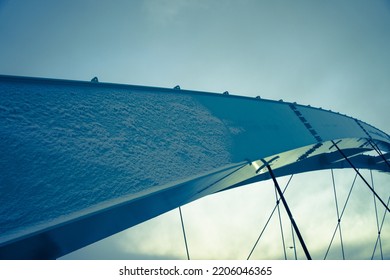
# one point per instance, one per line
(289, 213)
(360, 175)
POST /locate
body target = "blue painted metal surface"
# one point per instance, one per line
(81, 161)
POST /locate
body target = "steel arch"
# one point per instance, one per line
(206, 143)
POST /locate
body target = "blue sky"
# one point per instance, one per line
(330, 54)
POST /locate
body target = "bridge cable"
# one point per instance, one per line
(281, 226)
(269, 219)
(181, 215)
(184, 233)
(289, 213)
(360, 175)
(293, 239)
(378, 240)
(380, 230)
(377, 219)
(338, 214)
(376, 148)
(341, 215)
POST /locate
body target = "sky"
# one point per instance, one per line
(329, 54)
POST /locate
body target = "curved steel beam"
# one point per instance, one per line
(84, 160)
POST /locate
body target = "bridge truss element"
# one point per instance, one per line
(84, 160)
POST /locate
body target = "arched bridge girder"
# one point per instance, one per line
(321, 161)
(217, 141)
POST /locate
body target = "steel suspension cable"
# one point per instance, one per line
(184, 233)
(377, 219)
(269, 219)
(376, 148)
(293, 239)
(181, 215)
(287, 208)
(341, 215)
(378, 240)
(281, 227)
(338, 214)
(360, 175)
(380, 230)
